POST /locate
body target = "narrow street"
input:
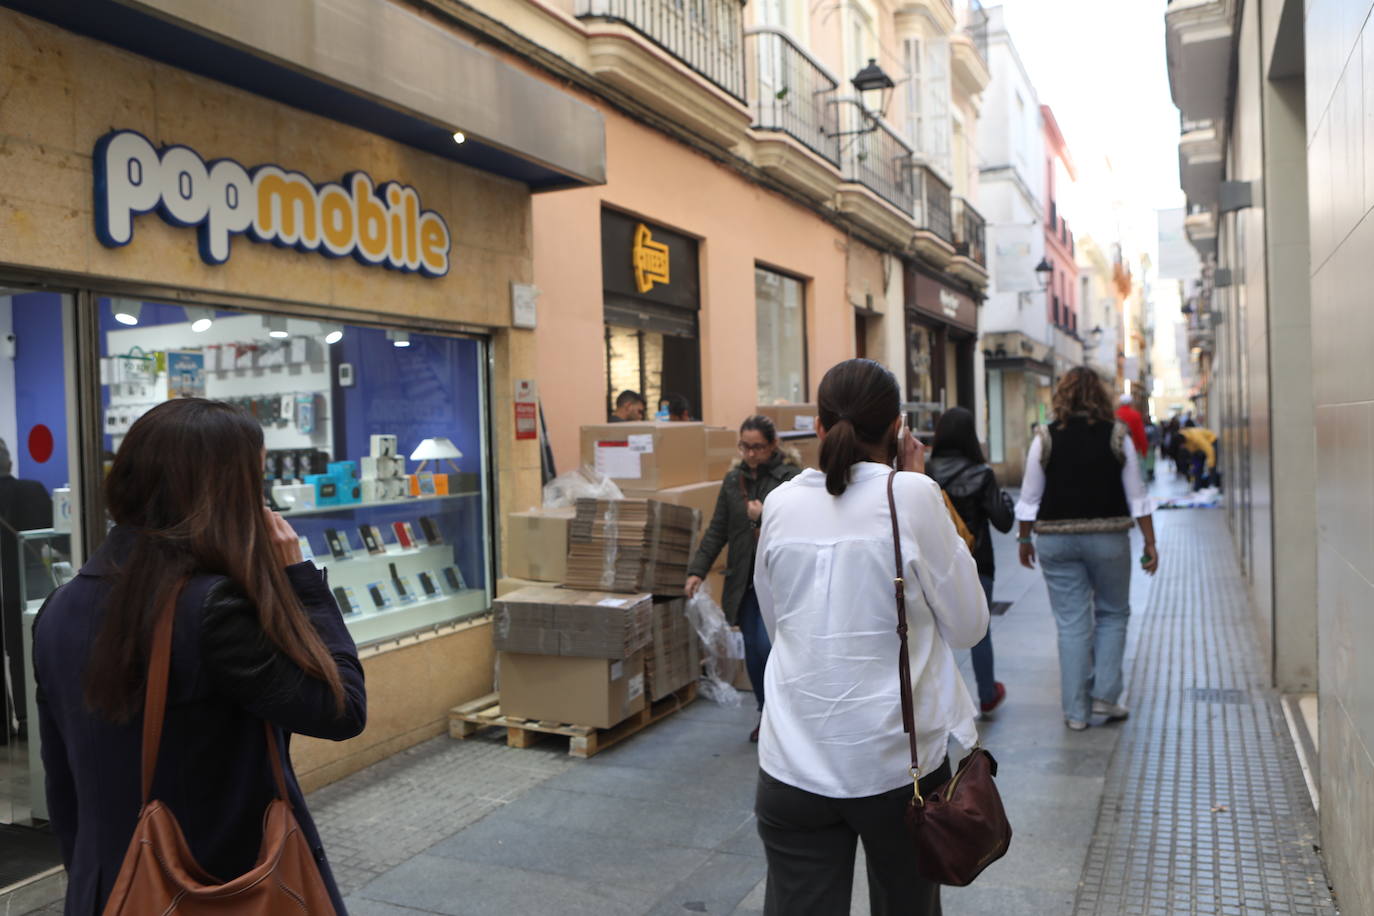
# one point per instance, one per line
(1195, 805)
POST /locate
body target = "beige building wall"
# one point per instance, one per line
(1340, 167)
(61, 92)
(738, 224)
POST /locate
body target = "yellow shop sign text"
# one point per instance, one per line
(377, 225)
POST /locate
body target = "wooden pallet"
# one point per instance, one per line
(584, 741)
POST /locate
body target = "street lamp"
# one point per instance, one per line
(1043, 271)
(871, 79)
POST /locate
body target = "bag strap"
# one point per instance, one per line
(903, 659)
(155, 701)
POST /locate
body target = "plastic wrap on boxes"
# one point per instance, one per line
(566, 489)
(709, 622)
(630, 545)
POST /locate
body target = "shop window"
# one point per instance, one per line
(39, 527)
(376, 443)
(781, 325)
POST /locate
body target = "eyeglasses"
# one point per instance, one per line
(749, 448)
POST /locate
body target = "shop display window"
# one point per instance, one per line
(376, 443)
(39, 528)
(781, 326)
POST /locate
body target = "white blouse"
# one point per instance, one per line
(1033, 485)
(832, 723)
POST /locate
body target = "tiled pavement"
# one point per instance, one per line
(1115, 820)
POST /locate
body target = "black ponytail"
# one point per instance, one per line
(857, 401)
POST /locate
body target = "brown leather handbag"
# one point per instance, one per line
(159, 874)
(961, 828)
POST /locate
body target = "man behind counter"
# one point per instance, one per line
(629, 407)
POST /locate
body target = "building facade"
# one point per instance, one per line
(1274, 167)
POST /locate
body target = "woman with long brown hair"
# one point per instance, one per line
(1081, 492)
(257, 636)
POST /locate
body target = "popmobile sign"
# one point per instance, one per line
(377, 225)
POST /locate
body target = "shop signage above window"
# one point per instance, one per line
(928, 296)
(382, 226)
(647, 263)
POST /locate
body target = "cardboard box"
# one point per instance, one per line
(562, 621)
(508, 584)
(699, 496)
(537, 544)
(806, 444)
(788, 417)
(647, 456)
(597, 692)
(630, 545)
(673, 660)
(722, 451)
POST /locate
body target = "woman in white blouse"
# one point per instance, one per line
(833, 757)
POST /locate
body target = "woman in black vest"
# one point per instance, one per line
(1082, 487)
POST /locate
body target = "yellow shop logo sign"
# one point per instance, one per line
(377, 225)
(650, 260)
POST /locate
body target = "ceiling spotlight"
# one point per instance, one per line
(459, 137)
(333, 333)
(398, 338)
(200, 317)
(276, 326)
(126, 310)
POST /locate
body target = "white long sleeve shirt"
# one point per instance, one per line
(1033, 485)
(832, 724)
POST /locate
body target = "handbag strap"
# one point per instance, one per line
(903, 659)
(155, 701)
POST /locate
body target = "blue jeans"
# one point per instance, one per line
(757, 645)
(982, 654)
(1089, 580)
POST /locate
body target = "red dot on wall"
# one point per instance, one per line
(40, 443)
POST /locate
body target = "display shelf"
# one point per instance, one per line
(375, 625)
(375, 504)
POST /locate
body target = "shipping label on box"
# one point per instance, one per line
(647, 455)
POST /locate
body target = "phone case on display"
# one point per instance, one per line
(338, 543)
(431, 529)
(399, 583)
(427, 583)
(307, 553)
(305, 414)
(370, 539)
(454, 578)
(348, 602)
(286, 408)
(380, 597)
(403, 537)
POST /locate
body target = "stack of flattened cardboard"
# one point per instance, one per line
(630, 545)
(674, 658)
(544, 620)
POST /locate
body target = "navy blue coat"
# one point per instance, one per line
(213, 771)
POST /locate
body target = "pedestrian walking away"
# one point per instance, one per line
(1082, 487)
(763, 466)
(956, 463)
(833, 758)
(256, 637)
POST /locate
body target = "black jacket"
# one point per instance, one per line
(730, 525)
(977, 498)
(212, 772)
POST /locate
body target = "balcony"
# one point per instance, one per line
(1200, 226)
(1200, 161)
(874, 157)
(934, 213)
(968, 51)
(642, 48)
(1198, 41)
(795, 115)
(970, 232)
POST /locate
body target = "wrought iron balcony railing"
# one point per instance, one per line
(706, 35)
(878, 159)
(792, 92)
(970, 232)
(933, 207)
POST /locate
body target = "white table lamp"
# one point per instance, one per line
(435, 449)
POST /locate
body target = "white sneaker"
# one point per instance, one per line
(1110, 710)
(1077, 725)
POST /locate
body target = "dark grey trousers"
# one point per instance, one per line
(810, 842)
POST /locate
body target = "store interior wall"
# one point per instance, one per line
(40, 388)
(1339, 51)
(9, 417)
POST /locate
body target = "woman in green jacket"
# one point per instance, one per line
(763, 467)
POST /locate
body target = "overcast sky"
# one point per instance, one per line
(1100, 65)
